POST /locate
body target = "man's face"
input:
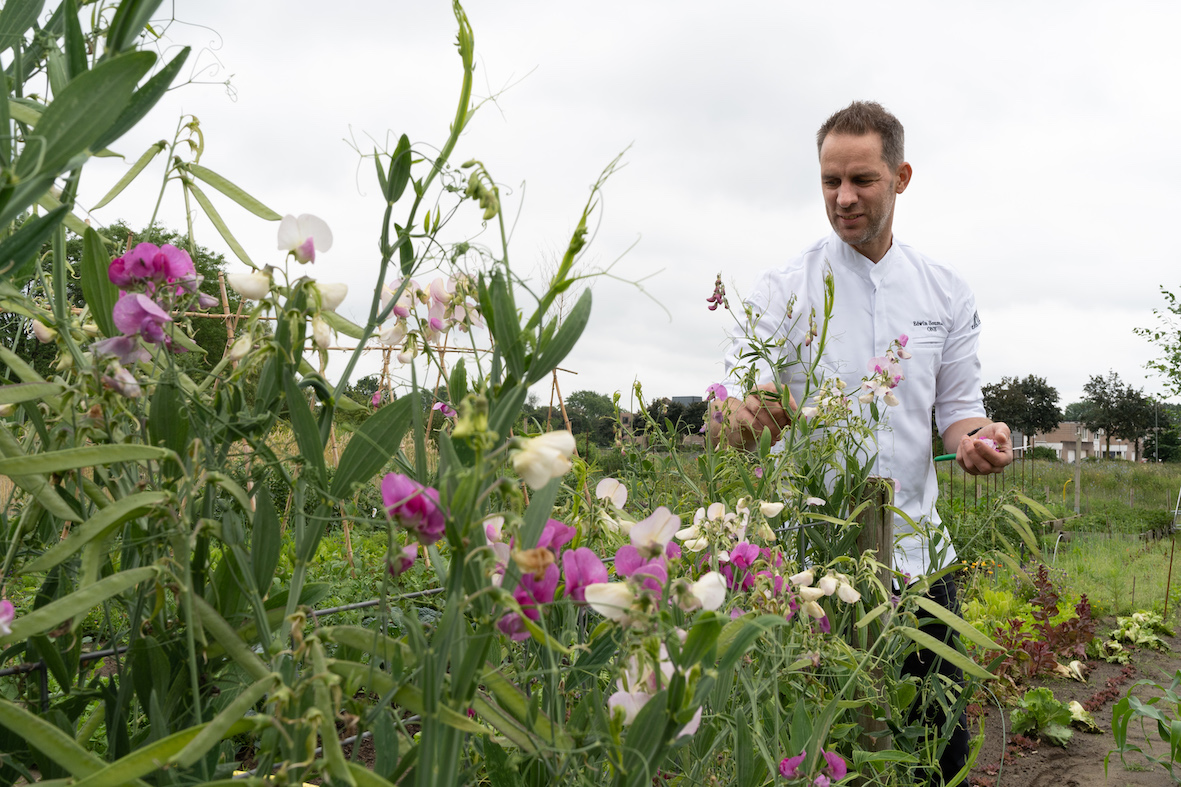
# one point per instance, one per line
(859, 191)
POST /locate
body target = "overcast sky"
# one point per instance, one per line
(1043, 138)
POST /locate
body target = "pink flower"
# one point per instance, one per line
(582, 567)
(125, 349)
(403, 560)
(7, 615)
(988, 441)
(716, 391)
(147, 266)
(758, 472)
(413, 507)
(744, 555)
(555, 535)
(672, 550)
(444, 408)
(138, 314)
(790, 766)
(375, 400)
(836, 763)
(530, 592)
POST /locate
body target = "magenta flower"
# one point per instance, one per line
(789, 767)
(582, 567)
(555, 535)
(375, 400)
(718, 298)
(530, 592)
(837, 768)
(148, 266)
(413, 507)
(126, 349)
(403, 559)
(135, 313)
(672, 550)
(716, 391)
(444, 408)
(758, 472)
(744, 555)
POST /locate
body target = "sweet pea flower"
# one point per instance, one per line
(848, 594)
(693, 538)
(629, 703)
(541, 458)
(710, 590)
(716, 391)
(148, 266)
(555, 535)
(692, 726)
(7, 615)
(402, 560)
(533, 561)
(253, 286)
(241, 347)
(813, 610)
(828, 584)
(321, 332)
(789, 767)
(125, 349)
(304, 236)
(375, 400)
(814, 501)
(444, 408)
(136, 313)
(744, 555)
(331, 294)
(802, 579)
(612, 600)
(581, 568)
(121, 382)
(770, 510)
(494, 528)
(651, 535)
(530, 593)
(836, 766)
(612, 489)
(45, 334)
(811, 593)
(413, 507)
(988, 441)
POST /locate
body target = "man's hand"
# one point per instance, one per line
(976, 456)
(742, 423)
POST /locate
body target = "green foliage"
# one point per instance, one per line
(1167, 338)
(1028, 405)
(1165, 709)
(1039, 713)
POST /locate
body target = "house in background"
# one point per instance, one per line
(1063, 441)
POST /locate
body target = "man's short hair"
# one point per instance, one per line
(864, 117)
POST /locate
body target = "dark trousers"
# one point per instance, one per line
(921, 663)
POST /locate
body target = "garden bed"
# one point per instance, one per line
(1080, 763)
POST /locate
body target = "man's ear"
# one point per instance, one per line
(902, 177)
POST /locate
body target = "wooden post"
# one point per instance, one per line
(877, 534)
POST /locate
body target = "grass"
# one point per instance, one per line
(1120, 577)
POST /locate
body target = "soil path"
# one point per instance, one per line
(1080, 764)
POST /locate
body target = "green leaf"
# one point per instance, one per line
(88, 456)
(382, 181)
(168, 420)
(552, 353)
(72, 222)
(702, 638)
(234, 192)
(220, 727)
(341, 325)
(151, 758)
(98, 527)
(87, 107)
(55, 613)
(219, 223)
(19, 250)
(143, 100)
(129, 22)
(265, 540)
(379, 647)
(307, 434)
(409, 697)
(235, 647)
(371, 446)
(97, 289)
(16, 18)
(646, 742)
(50, 740)
(946, 652)
(27, 392)
(366, 777)
(399, 170)
(36, 484)
(132, 173)
(961, 626)
(75, 44)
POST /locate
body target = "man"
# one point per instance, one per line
(883, 289)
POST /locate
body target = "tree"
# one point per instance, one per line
(1027, 405)
(592, 416)
(1167, 337)
(1116, 408)
(1165, 444)
(1075, 411)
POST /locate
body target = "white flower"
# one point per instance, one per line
(650, 536)
(43, 332)
(848, 594)
(393, 333)
(770, 510)
(547, 456)
(710, 590)
(802, 579)
(814, 501)
(812, 609)
(252, 286)
(240, 347)
(304, 236)
(828, 584)
(494, 528)
(630, 702)
(612, 489)
(811, 594)
(332, 294)
(612, 600)
(808, 412)
(321, 332)
(692, 538)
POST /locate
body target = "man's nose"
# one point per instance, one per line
(846, 196)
